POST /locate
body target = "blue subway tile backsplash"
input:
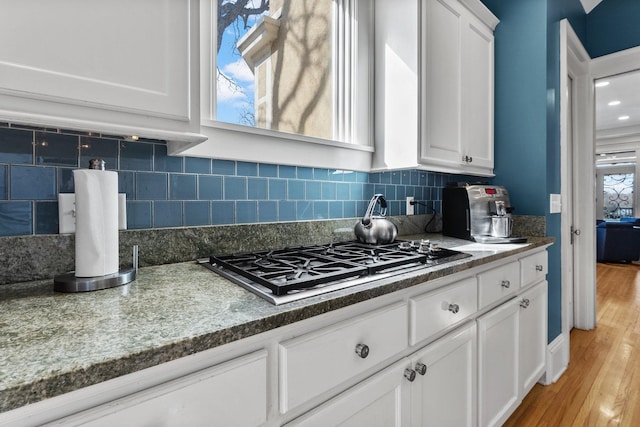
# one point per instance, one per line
(99, 148)
(32, 183)
(197, 165)
(135, 156)
(182, 187)
(16, 218)
(54, 149)
(16, 146)
(167, 214)
(172, 191)
(151, 186)
(197, 213)
(3, 182)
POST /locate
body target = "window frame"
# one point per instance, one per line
(601, 171)
(238, 142)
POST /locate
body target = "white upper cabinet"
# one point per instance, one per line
(122, 67)
(434, 99)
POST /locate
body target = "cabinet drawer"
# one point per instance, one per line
(437, 310)
(316, 362)
(231, 394)
(497, 283)
(533, 268)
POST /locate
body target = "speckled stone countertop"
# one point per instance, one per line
(53, 343)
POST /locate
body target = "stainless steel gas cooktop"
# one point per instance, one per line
(290, 274)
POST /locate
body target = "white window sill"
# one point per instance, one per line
(235, 142)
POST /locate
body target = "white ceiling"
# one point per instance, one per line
(588, 5)
(624, 88)
(612, 134)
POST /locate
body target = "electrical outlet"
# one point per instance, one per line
(410, 207)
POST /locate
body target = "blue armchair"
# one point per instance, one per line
(618, 241)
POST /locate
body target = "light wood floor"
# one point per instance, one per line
(601, 387)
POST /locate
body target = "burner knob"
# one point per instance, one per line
(362, 350)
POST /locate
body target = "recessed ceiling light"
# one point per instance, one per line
(613, 103)
(602, 84)
(623, 118)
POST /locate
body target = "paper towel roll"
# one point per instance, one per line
(96, 222)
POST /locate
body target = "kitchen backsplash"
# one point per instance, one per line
(166, 191)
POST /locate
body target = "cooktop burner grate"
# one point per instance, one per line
(292, 273)
(290, 269)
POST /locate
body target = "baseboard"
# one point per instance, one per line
(557, 360)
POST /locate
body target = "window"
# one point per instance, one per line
(618, 195)
(299, 67)
(616, 179)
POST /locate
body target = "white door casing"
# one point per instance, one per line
(578, 192)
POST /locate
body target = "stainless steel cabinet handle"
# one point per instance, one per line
(506, 284)
(539, 267)
(454, 308)
(362, 350)
(421, 368)
(410, 374)
(524, 303)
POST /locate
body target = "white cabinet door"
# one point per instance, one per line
(380, 401)
(477, 94)
(457, 94)
(533, 336)
(119, 66)
(231, 394)
(442, 72)
(445, 394)
(498, 364)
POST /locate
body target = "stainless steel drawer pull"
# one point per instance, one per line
(421, 368)
(454, 308)
(539, 267)
(524, 303)
(506, 284)
(362, 350)
(410, 374)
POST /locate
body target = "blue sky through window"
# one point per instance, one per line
(233, 101)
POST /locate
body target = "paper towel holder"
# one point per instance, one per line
(97, 164)
(68, 282)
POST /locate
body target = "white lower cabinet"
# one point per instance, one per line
(498, 364)
(380, 401)
(533, 336)
(433, 387)
(445, 394)
(230, 394)
(512, 342)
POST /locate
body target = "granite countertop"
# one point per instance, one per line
(52, 343)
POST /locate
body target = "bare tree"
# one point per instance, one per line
(236, 14)
(229, 12)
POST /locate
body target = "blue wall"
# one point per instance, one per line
(520, 102)
(527, 125)
(164, 191)
(612, 26)
(527, 104)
